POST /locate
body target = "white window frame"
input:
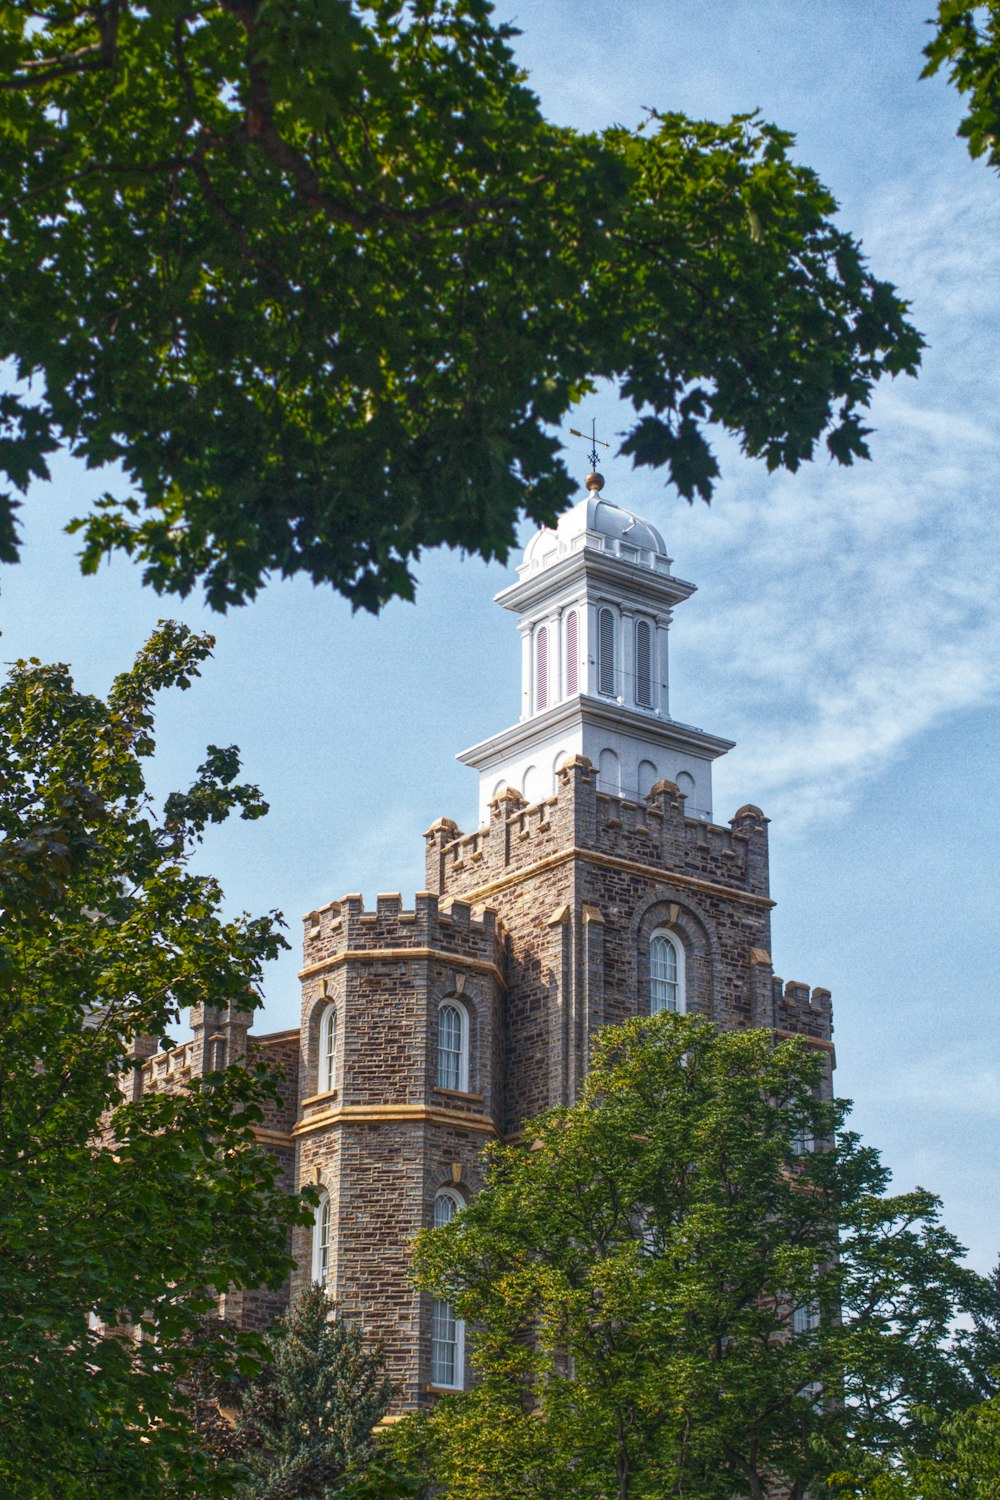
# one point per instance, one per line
(326, 1075)
(447, 1362)
(321, 1237)
(680, 982)
(447, 1203)
(462, 1085)
(450, 1204)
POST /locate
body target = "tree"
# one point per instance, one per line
(963, 1462)
(967, 43)
(307, 1421)
(120, 1215)
(666, 1298)
(322, 280)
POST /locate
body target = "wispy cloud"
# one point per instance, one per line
(850, 612)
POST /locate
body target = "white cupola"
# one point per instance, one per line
(594, 599)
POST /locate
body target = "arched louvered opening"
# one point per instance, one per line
(643, 664)
(606, 651)
(542, 669)
(572, 653)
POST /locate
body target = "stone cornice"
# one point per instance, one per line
(272, 1137)
(481, 893)
(368, 1114)
(397, 955)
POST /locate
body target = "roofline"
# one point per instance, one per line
(625, 720)
(663, 588)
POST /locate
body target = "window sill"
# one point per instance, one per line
(459, 1094)
(442, 1390)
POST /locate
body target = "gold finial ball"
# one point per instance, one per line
(595, 482)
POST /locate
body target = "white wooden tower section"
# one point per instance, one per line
(594, 600)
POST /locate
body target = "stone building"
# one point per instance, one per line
(595, 886)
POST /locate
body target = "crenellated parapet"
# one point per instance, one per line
(654, 832)
(801, 1011)
(450, 926)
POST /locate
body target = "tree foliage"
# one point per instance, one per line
(307, 1421)
(322, 280)
(967, 43)
(130, 1210)
(666, 1298)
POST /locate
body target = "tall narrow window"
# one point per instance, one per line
(452, 1047)
(327, 1051)
(446, 1346)
(321, 1241)
(605, 651)
(666, 974)
(805, 1319)
(643, 665)
(447, 1331)
(572, 653)
(542, 669)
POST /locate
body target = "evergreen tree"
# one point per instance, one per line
(307, 1421)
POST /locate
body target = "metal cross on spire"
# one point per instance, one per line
(594, 440)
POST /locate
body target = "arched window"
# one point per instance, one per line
(572, 653)
(647, 777)
(643, 664)
(446, 1205)
(321, 1240)
(606, 651)
(447, 1331)
(666, 973)
(326, 1081)
(453, 1047)
(542, 669)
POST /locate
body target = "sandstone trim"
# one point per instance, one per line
(369, 1114)
(613, 862)
(402, 955)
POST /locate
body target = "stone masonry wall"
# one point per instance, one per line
(386, 1137)
(582, 880)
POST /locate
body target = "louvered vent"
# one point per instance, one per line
(606, 652)
(572, 653)
(643, 674)
(542, 669)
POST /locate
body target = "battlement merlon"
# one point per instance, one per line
(344, 929)
(800, 1011)
(653, 833)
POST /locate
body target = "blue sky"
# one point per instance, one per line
(845, 631)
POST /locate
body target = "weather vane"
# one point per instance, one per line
(594, 440)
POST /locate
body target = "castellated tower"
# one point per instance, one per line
(594, 886)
